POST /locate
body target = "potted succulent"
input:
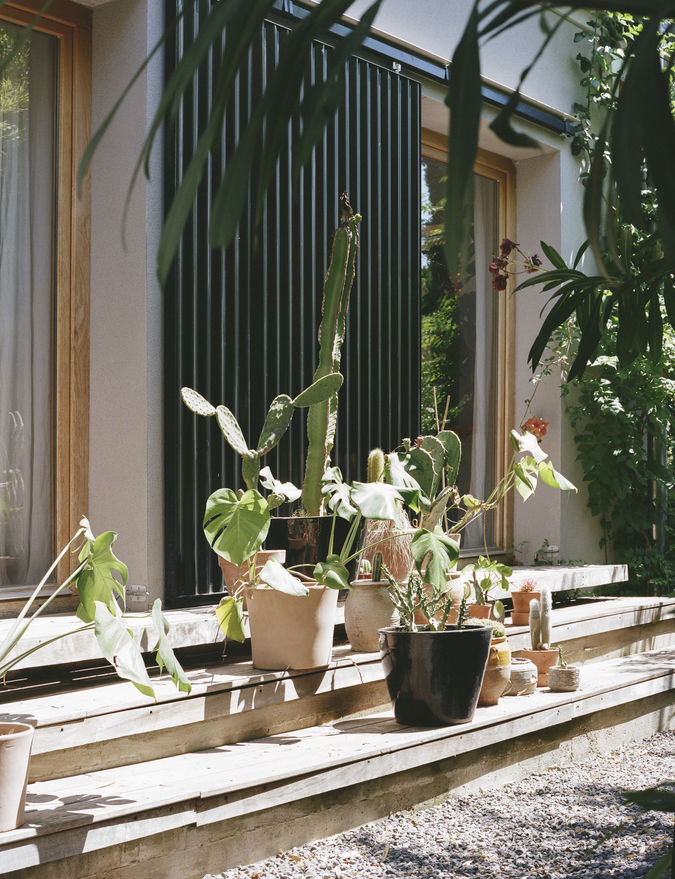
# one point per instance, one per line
(368, 608)
(98, 609)
(521, 596)
(563, 678)
(497, 678)
(487, 579)
(433, 671)
(541, 654)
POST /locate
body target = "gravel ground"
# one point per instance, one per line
(554, 824)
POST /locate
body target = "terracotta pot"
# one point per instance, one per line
(434, 678)
(237, 575)
(368, 608)
(15, 744)
(497, 674)
(543, 659)
(523, 677)
(480, 611)
(455, 588)
(521, 604)
(289, 631)
(520, 619)
(563, 680)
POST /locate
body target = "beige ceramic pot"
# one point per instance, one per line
(497, 677)
(15, 744)
(563, 680)
(289, 631)
(368, 608)
(236, 575)
(543, 659)
(523, 677)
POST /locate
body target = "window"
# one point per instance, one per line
(465, 333)
(44, 364)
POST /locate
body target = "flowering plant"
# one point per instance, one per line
(507, 264)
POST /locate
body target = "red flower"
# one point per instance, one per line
(532, 263)
(499, 282)
(536, 426)
(507, 246)
(497, 265)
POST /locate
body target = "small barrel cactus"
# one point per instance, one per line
(540, 620)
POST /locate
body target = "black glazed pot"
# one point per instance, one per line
(434, 678)
(306, 539)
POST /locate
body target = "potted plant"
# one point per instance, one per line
(498, 672)
(98, 609)
(541, 654)
(369, 607)
(522, 596)
(434, 672)
(487, 578)
(563, 678)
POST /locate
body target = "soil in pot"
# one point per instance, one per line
(543, 659)
(434, 678)
(368, 608)
(563, 680)
(289, 631)
(15, 744)
(497, 674)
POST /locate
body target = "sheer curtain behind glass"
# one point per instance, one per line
(459, 342)
(27, 138)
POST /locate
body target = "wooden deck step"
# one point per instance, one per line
(188, 814)
(111, 724)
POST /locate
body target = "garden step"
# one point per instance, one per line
(186, 815)
(85, 728)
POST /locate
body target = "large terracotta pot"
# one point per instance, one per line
(543, 659)
(15, 744)
(497, 674)
(368, 608)
(434, 678)
(289, 631)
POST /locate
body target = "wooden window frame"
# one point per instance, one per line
(71, 26)
(502, 171)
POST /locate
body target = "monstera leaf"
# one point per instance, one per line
(95, 582)
(439, 552)
(119, 648)
(236, 526)
(164, 652)
(230, 619)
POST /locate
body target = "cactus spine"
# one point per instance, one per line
(377, 567)
(322, 417)
(540, 620)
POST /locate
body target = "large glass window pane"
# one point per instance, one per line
(27, 226)
(459, 337)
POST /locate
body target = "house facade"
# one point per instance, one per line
(100, 351)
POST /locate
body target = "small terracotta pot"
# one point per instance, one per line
(520, 619)
(543, 659)
(368, 608)
(455, 588)
(497, 674)
(521, 603)
(563, 680)
(15, 744)
(291, 631)
(480, 611)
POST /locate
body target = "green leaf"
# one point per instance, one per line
(119, 648)
(522, 482)
(420, 465)
(551, 477)
(339, 496)
(236, 527)
(276, 424)
(376, 500)
(320, 391)
(164, 653)
(439, 552)
(286, 490)
(465, 101)
(554, 257)
(332, 573)
(501, 125)
(95, 582)
(453, 454)
(276, 576)
(230, 429)
(527, 442)
(250, 469)
(230, 618)
(660, 798)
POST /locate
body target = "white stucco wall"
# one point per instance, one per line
(125, 471)
(126, 436)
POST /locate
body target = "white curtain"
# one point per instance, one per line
(27, 137)
(483, 433)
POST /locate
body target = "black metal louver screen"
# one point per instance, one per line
(240, 325)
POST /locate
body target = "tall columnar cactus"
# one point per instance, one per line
(322, 416)
(276, 423)
(540, 620)
(377, 567)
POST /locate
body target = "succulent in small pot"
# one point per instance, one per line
(488, 579)
(541, 654)
(563, 678)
